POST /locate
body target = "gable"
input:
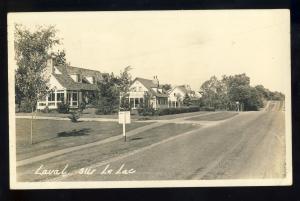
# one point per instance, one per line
(53, 82)
(177, 90)
(137, 86)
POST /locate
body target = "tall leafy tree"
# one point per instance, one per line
(238, 87)
(124, 82)
(213, 93)
(108, 96)
(32, 49)
(31, 54)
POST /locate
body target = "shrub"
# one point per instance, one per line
(103, 110)
(74, 116)
(82, 106)
(207, 109)
(45, 110)
(168, 111)
(146, 111)
(63, 108)
(25, 106)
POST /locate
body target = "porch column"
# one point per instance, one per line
(55, 99)
(46, 99)
(71, 98)
(65, 96)
(79, 97)
(134, 103)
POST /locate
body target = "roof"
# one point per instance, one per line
(186, 90)
(67, 82)
(82, 71)
(183, 89)
(149, 84)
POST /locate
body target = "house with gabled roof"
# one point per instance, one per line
(178, 93)
(141, 87)
(69, 85)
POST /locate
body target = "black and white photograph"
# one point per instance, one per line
(133, 99)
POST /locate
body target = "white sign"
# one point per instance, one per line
(124, 117)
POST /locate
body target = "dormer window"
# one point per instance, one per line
(76, 77)
(90, 79)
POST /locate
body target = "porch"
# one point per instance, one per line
(71, 97)
(137, 100)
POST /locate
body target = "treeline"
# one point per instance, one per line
(234, 91)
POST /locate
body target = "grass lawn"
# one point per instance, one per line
(92, 155)
(52, 135)
(89, 113)
(214, 116)
(56, 114)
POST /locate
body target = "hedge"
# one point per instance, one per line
(207, 109)
(167, 111)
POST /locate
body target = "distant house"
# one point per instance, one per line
(141, 87)
(70, 85)
(178, 93)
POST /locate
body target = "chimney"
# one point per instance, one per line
(50, 65)
(155, 81)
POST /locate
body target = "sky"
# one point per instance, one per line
(179, 47)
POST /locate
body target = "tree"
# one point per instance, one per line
(166, 87)
(31, 54)
(254, 101)
(108, 95)
(113, 92)
(187, 100)
(214, 93)
(237, 87)
(124, 82)
(59, 58)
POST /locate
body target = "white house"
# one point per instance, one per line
(178, 93)
(70, 85)
(141, 87)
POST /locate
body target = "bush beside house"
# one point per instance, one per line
(63, 108)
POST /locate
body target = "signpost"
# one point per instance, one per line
(237, 105)
(124, 118)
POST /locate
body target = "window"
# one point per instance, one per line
(131, 102)
(51, 96)
(76, 77)
(72, 98)
(68, 97)
(75, 98)
(140, 88)
(60, 96)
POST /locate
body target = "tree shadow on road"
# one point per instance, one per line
(136, 138)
